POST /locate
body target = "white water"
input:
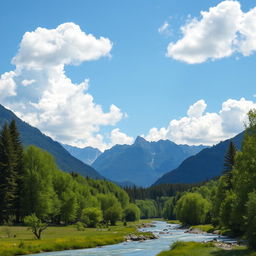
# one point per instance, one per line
(145, 248)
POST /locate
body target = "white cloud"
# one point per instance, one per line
(7, 85)
(222, 31)
(164, 29)
(67, 44)
(205, 128)
(118, 137)
(197, 109)
(40, 92)
(26, 82)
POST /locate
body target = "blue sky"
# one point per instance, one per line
(149, 88)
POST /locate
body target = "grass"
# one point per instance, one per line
(206, 228)
(173, 222)
(204, 249)
(22, 241)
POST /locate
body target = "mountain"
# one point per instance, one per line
(143, 162)
(32, 136)
(207, 164)
(87, 155)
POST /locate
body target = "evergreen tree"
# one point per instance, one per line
(229, 162)
(19, 168)
(8, 176)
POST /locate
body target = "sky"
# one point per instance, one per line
(100, 73)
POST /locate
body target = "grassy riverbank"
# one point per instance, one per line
(22, 241)
(204, 249)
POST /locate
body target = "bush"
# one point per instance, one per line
(192, 209)
(113, 214)
(131, 212)
(35, 225)
(80, 226)
(91, 217)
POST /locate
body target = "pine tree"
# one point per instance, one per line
(229, 162)
(19, 168)
(8, 176)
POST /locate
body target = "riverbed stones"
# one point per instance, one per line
(134, 237)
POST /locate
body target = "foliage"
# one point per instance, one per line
(35, 225)
(8, 175)
(251, 220)
(91, 217)
(192, 208)
(113, 214)
(131, 212)
(148, 208)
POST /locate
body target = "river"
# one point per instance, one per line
(145, 248)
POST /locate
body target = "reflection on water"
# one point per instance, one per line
(145, 248)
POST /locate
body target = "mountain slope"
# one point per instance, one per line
(143, 162)
(203, 166)
(87, 155)
(33, 136)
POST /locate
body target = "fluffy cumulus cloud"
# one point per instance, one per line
(201, 127)
(220, 32)
(40, 92)
(118, 137)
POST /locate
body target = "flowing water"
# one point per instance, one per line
(167, 233)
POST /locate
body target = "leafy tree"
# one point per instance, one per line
(148, 208)
(131, 212)
(113, 214)
(251, 220)
(192, 208)
(35, 225)
(8, 175)
(91, 217)
(40, 197)
(226, 214)
(169, 206)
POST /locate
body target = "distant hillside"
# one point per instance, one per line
(32, 136)
(201, 167)
(87, 155)
(143, 162)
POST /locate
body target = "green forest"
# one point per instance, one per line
(32, 186)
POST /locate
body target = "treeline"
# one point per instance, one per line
(157, 191)
(154, 201)
(229, 203)
(32, 185)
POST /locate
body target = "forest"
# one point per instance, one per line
(33, 188)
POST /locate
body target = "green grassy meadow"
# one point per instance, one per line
(22, 241)
(204, 249)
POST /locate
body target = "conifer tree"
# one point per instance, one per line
(8, 176)
(229, 162)
(19, 168)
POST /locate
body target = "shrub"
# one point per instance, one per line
(91, 217)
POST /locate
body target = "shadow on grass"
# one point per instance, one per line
(234, 252)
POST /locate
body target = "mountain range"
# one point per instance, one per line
(205, 165)
(143, 162)
(32, 136)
